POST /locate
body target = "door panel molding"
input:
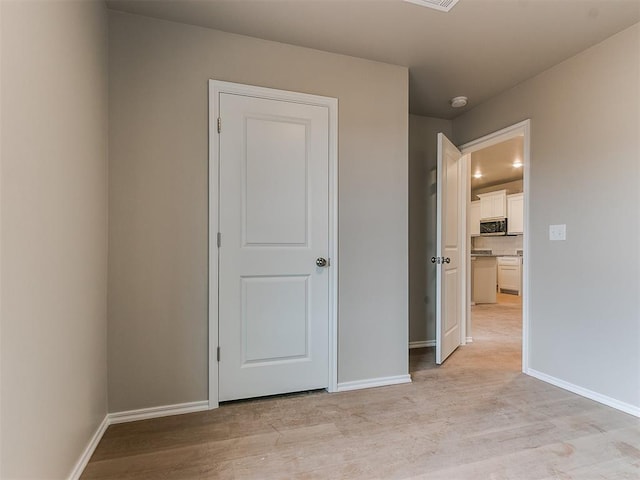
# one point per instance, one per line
(216, 88)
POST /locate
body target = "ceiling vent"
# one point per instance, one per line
(442, 5)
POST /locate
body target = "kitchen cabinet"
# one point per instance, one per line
(493, 204)
(483, 287)
(509, 274)
(515, 214)
(474, 218)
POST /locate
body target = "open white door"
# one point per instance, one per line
(449, 243)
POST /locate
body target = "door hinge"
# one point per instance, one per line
(219, 240)
(219, 124)
(218, 354)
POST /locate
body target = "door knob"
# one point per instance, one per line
(440, 260)
(321, 262)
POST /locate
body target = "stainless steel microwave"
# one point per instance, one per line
(494, 227)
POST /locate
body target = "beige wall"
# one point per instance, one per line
(585, 173)
(158, 201)
(54, 234)
(423, 158)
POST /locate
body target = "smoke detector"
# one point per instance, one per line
(442, 5)
(458, 102)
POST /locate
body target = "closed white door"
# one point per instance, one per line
(448, 278)
(274, 220)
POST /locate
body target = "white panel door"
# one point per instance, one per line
(274, 224)
(448, 278)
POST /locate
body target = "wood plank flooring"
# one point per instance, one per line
(475, 417)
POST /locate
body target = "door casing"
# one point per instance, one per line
(519, 129)
(217, 87)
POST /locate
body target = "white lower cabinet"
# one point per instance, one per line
(509, 274)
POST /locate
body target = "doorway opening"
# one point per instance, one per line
(497, 169)
(496, 234)
(495, 331)
(272, 251)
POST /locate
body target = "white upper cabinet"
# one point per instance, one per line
(515, 213)
(493, 204)
(474, 218)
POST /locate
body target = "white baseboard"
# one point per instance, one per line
(157, 412)
(132, 416)
(373, 382)
(422, 344)
(469, 340)
(86, 455)
(584, 392)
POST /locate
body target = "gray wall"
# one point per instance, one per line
(158, 201)
(585, 172)
(423, 157)
(54, 234)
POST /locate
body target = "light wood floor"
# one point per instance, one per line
(475, 417)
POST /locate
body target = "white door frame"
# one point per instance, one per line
(215, 89)
(519, 129)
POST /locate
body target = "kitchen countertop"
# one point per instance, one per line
(489, 253)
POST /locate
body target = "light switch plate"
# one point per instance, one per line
(557, 232)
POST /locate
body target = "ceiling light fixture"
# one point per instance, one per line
(517, 164)
(459, 102)
(477, 175)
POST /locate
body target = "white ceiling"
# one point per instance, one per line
(478, 49)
